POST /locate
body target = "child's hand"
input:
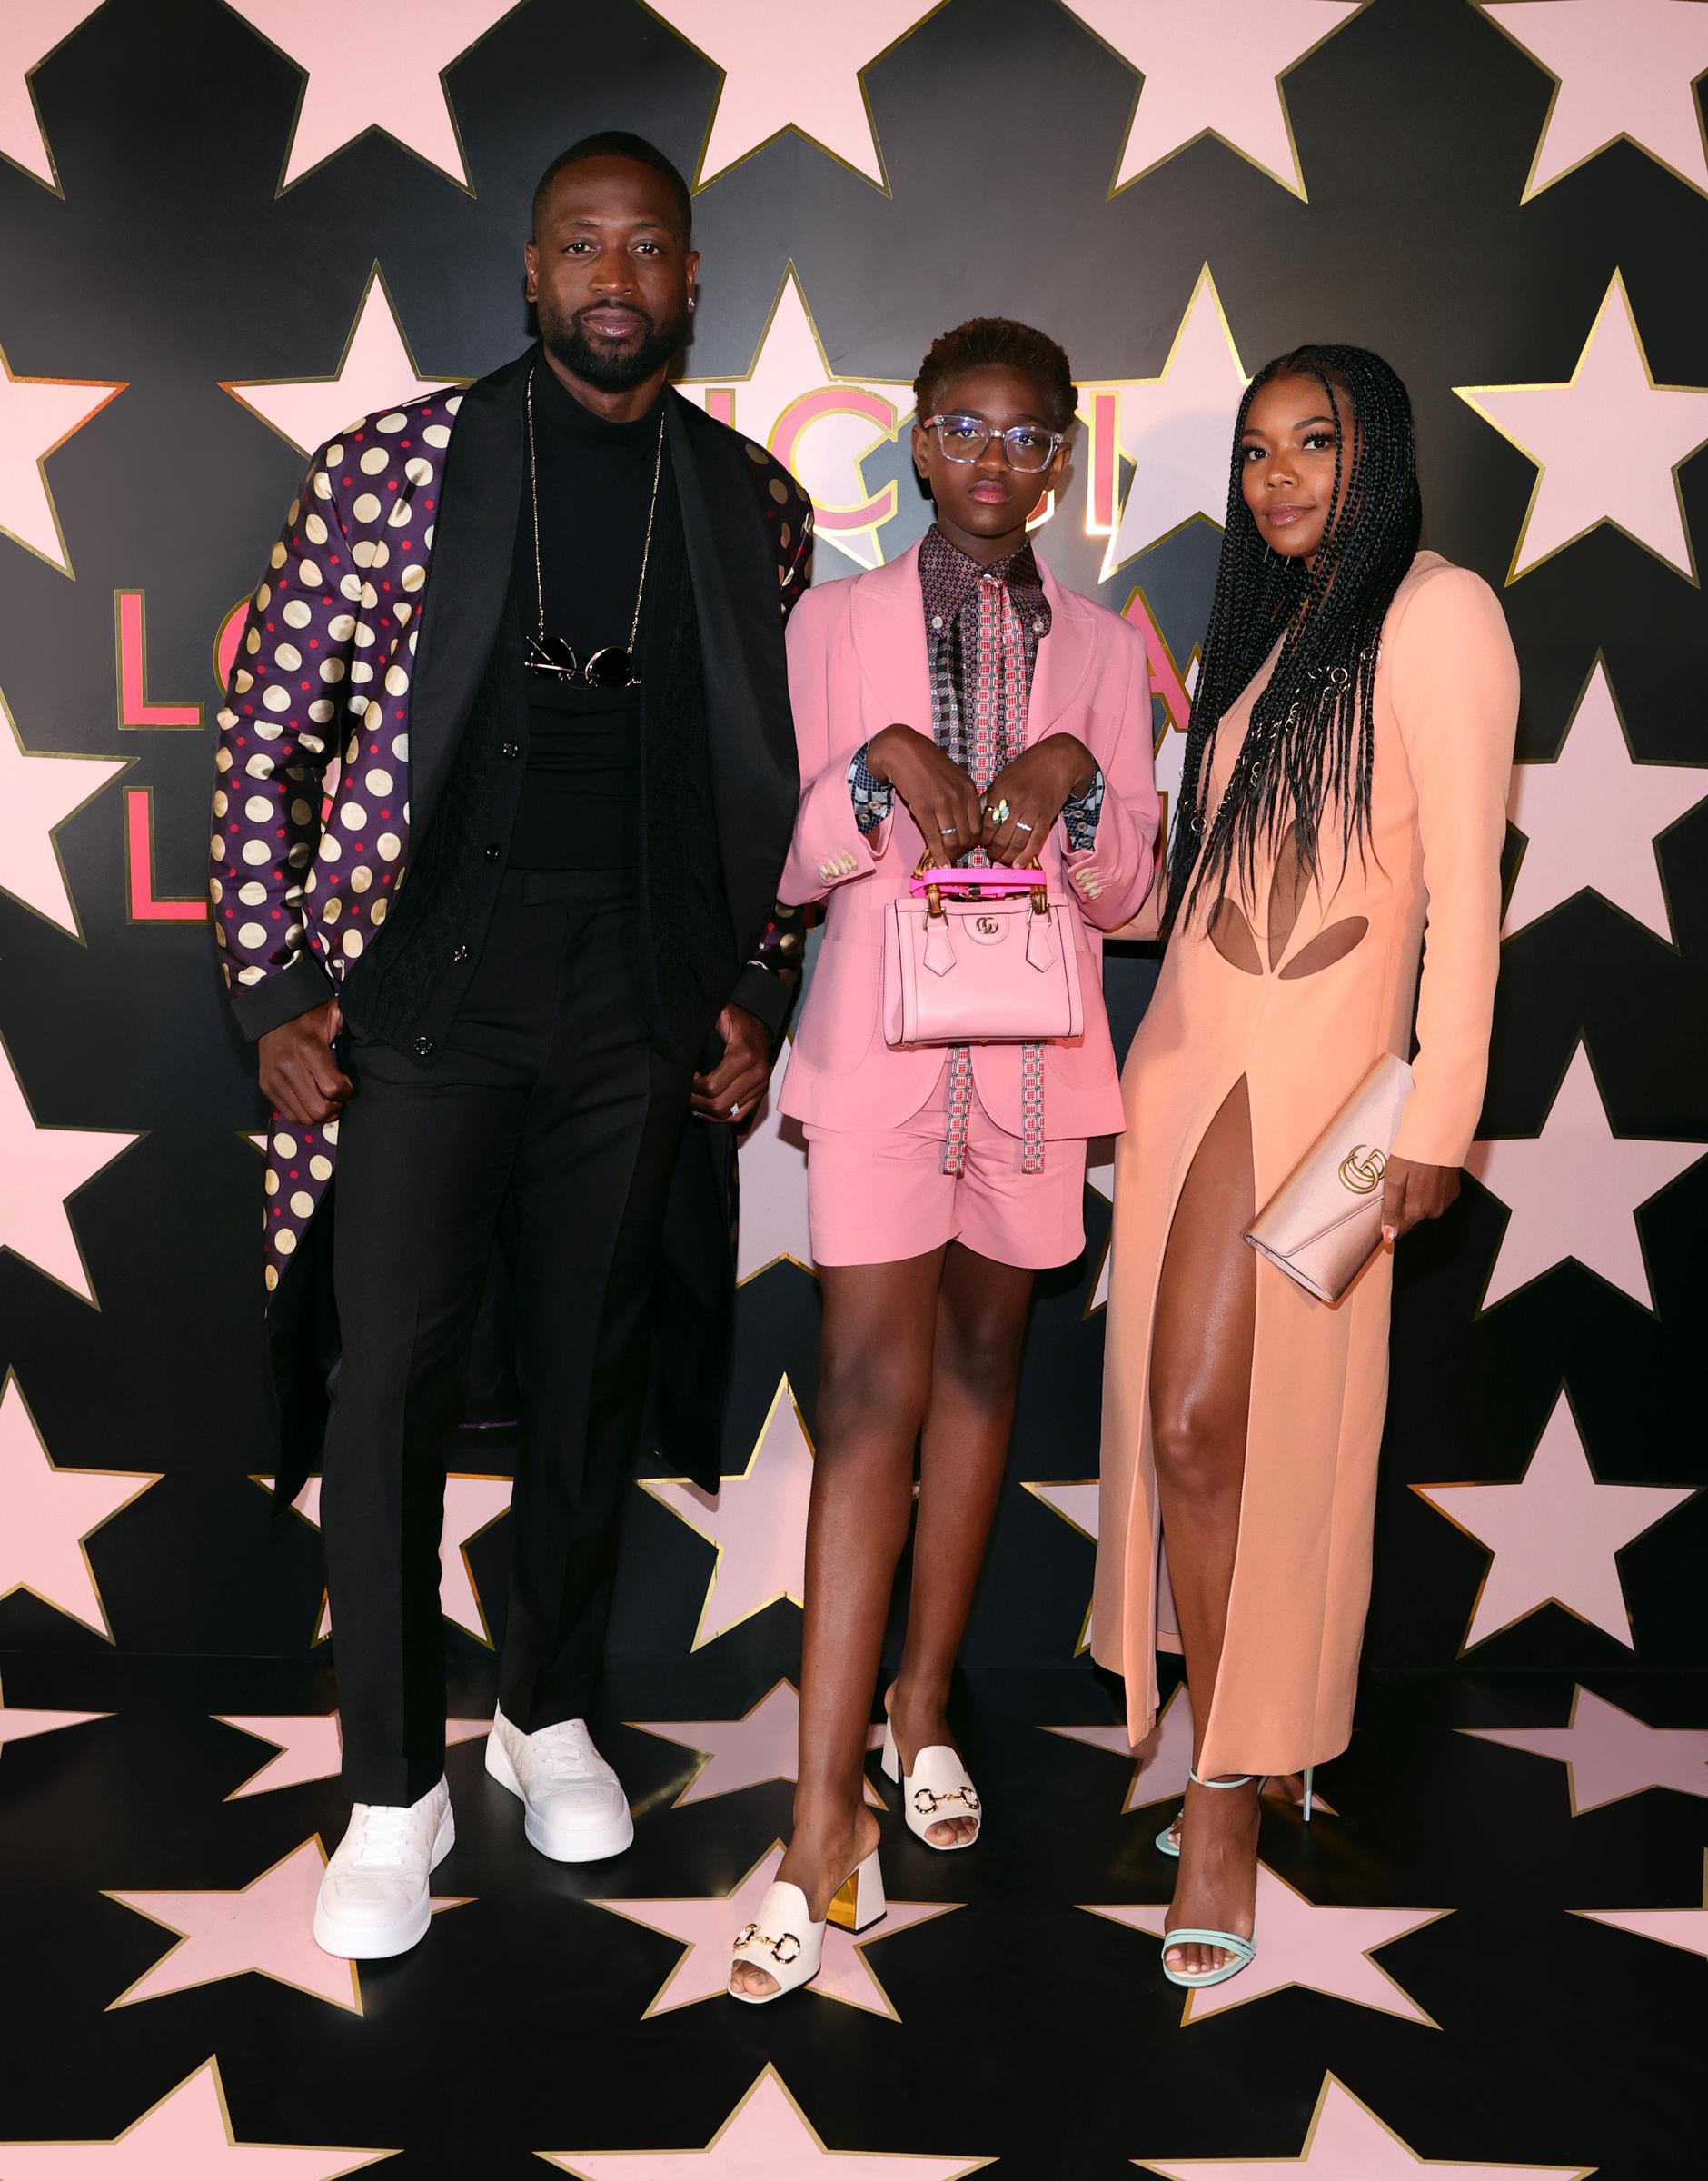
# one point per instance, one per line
(943, 802)
(1034, 787)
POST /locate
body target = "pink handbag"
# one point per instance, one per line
(981, 956)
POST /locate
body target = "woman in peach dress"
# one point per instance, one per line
(1342, 812)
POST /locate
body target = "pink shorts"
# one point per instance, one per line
(875, 1195)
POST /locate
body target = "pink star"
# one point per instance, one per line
(1608, 1754)
(310, 1747)
(773, 1228)
(1574, 1190)
(817, 421)
(18, 1725)
(1591, 817)
(47, 1516)
(1621, 68)
(37, 416)
(381, 65)
(1553, 1535)
(707, 1923)
(1162, 1759)
(803, 69)
(187, 2135)
(1685, 1928)
(1347, 2142)
(28, 37)
(1213, 69)
(1608, 444)
(473, 1504)
(757, 1520)
(748, 1752)
(1176, 429)
(377, 370)
(41, 1169)
(1321, 1949)
(39, 791)
(266, 1927)
(767, 2134)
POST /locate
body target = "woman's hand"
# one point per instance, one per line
(944, 802)
(1413, 1192)
(1034, 787)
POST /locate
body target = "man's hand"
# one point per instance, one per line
(944, 802)
(1413, 1192)
(1035, 787)
(299, 1077)
(735, 1086)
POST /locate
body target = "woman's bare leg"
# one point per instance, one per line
(874, 1382)
(980, 1326)
(1200, 1389)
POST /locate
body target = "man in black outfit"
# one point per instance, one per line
(600, 767)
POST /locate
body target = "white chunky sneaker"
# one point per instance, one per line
(373, 1898)
(574, 1808)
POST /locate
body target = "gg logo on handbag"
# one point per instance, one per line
(1307, 1229)
(1361, 1171)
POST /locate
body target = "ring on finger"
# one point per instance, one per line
(998, 814)
(1021, 826)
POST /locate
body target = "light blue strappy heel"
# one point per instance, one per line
(1244, 1950)
(1171, 1847)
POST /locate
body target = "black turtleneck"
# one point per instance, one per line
(581, 795)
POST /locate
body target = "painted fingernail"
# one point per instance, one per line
(1388, 1234)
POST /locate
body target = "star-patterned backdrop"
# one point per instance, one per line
(229, 227)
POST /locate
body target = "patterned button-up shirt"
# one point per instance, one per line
(950, 595)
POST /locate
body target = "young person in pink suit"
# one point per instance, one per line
(956, 705)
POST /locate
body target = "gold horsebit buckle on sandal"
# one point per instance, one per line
(925, 1802)
(751, 1934)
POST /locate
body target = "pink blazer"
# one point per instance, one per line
(856, 662)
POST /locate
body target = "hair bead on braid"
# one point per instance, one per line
(1309, 741)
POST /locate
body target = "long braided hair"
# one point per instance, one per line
(1308, 745)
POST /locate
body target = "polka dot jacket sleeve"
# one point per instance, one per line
(310, 803)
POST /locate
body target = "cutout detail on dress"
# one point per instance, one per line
(1328, 947)
(1232, 938)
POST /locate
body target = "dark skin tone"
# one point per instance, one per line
(610, 258)
(983, 507)
(1207, 1295)
(927, 1350)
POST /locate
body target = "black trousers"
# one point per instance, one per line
(549, 1108)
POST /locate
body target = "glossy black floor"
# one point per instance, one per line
(1030, 2033)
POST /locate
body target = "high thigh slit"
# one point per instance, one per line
(1298, 987)
(1204, 1318)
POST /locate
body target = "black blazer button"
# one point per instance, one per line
(513, 748)
(491, 852)
(423, 1046)
(460, 954)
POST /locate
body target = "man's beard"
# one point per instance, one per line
(597, 363)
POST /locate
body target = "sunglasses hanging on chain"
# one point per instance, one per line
(612, 665)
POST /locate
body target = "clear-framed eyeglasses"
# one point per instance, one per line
(964, 438)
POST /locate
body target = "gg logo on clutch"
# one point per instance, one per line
(1361, 1171)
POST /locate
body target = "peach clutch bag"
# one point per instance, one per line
(1324, 1224)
